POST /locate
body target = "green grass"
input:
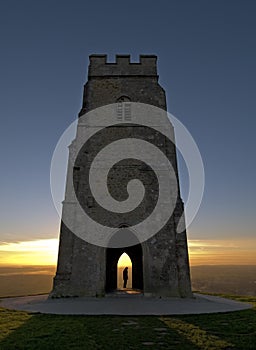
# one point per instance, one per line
(235, 330)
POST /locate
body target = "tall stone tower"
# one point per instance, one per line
(160, 265)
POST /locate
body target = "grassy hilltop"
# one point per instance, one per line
(235, 330)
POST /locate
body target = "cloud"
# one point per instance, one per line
(7, 238)
(37, 252)
(222, 252)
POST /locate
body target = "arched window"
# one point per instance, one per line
(124, 108)
(123, 98)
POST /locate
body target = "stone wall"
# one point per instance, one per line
(163, 259)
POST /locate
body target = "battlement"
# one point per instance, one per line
(123, 66)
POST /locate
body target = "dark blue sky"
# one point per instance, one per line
(206, 61)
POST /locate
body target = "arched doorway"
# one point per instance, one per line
(112, 257)
(123, 262)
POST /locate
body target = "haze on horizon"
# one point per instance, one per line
(208, 252)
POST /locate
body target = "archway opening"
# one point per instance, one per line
(136, 271)
(123, 262)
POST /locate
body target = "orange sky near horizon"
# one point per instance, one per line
(201, 252)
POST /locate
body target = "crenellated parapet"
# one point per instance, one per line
(123, 66)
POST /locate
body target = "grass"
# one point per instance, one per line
(235, 330)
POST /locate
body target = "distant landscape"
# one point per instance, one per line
(226, 279)
(27, 280)
(236, 280)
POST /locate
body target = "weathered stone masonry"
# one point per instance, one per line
(160, 264)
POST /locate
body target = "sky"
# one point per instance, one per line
(206, 62)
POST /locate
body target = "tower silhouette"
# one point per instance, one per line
(160, 265)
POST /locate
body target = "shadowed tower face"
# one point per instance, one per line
(160, 264)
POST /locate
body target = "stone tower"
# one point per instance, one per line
(160, 265)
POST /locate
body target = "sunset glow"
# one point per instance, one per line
(201, 252)
(222, 252)
(124, 261)
(38, 252)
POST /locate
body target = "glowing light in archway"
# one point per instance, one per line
(124, 261)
